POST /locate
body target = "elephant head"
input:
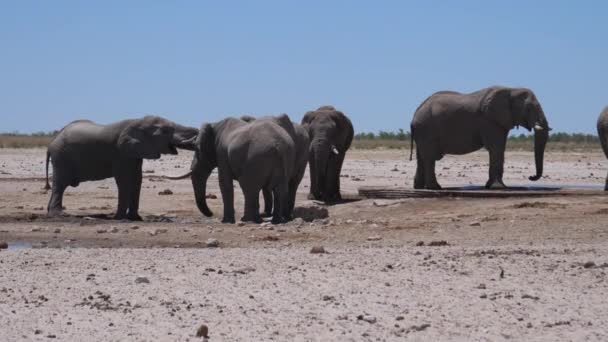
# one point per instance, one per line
(510, 107)
(330, 133)
(151, 136)
(203, 163)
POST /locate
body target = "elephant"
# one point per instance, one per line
(449, 122)
(331, 133)
(602, 132)
(86, 151)
(302, 143)
(259, 154)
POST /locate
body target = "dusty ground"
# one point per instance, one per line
(516, 268)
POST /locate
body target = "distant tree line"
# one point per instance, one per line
(35, 134)
(556, 137)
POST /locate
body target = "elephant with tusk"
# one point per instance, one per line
(86, 151)
(449, 122)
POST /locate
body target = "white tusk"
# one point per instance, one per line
(538, 127)
(334, 149)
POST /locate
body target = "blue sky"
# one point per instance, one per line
(199, 61)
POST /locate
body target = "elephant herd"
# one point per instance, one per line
(270, 154)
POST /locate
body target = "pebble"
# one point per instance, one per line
(317, 250)
(212, 243)
(589, 264)
(57, 231)
(142, 280)
(114, 229)
(374, 238)
(134, 227)
(102, 231)
(166, 192)
(475, 224)
(157, 232)
(367, 318)
(241, 224)
(202, 331)
(3, 245)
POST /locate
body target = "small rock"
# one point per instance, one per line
(317, 250)
(241, 223)
(310, 213)
(3, 245)
(367, 318)
(19, 207)
(38, 208)
(399, 318)
(374, 238)
(212, 243)
(102, 231)
(438, 243)
(166, 192)
(419, 243)
(589, 264)
(211, 196)
(481, 286)
(134, 227)
(114, 230)
(157, 232)
(142, 280)
(475, 224)
(202, 331)
(57, 231)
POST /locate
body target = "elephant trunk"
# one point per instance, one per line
(321, 150)
(184, 137)
(540, 141)
(199, 184)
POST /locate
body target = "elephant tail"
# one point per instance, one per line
(47, 186)
(411, 142)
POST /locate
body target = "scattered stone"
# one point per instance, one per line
(38, 208)
(327, 298)
(114, 230)
(212, 243)
(399, 318)
(419, 327)
(57, 231)
(527, 296)
(211, 196)
(419, 243)
(475, 224)
(3, 245)
(374, 238)
(481, 286)
(310, 213)
(317, 250)
(367, 318)
(142, 280)
(102, 231)
(19, 207)
(202, 331)
(157, 232)
(589, 264)
(241, 223)
(166, 192)
(134, 227)
(438, 243)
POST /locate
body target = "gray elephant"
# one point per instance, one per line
(448, 122)
(302, 143)
(331, 133)
(258, 155)
(602, 132)
(86, 151)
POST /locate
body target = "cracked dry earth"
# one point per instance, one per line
(453, 269)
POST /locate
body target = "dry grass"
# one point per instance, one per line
(366, 144)
(23, 141)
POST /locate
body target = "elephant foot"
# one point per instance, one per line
(254, 219)
(134, 217)
(278, 220)
(55, 212)
(228, 219)
(495, 185)
(120, 217)
(314, 197)
(433, 187)
(266, 214)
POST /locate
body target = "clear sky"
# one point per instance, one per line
(198, 61)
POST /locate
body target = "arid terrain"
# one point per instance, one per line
(464, 269)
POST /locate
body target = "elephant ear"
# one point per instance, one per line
(133, 142)
(205, 143)
(496, 107)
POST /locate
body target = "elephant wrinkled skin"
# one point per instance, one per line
(86, 151)
(448, 122)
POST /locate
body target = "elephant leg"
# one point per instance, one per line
(606, 183)
(419, 177)
(333, 180)
(429, 175)
(267, 202)
(252, 205)
(496, 144)
(314, 186)
(133, 214)
(280, 193)
(55, 205)
(227, 190)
